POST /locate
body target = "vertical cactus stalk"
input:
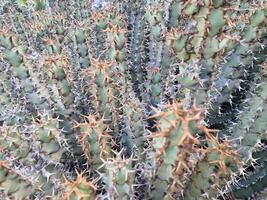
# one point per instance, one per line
(13, 184)
(20, 156)
(172, 145)
(80, 188)
(57, 64)
(136, 46)
(119, 177)
(96, 141)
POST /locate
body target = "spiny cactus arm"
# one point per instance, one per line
(117, 50)
(96, 141)
(24, 72)
(98, 36)
(136, 127)
(254, 181)
(20, 156)
(5, 99)
(224, 90)
(81, 44)
(136, 145)
(12, 184)
(57, 63)
(185, 53)
(200, 181)
(9, 100)
(36, 5)
(52, 79)
(208, 45)
(8, 96)
(80, 188)
(39, 5)
(14, 144)
(236, 69)
(108, 72)
(37, 26)
(232, 81)
(155, 23)
(41, 76)
(250, 139)
(52, 142)
(153, 85)
(81, 9)
(53, 67)
(136, 46)
(250, 130)
(252, 120)
(177, 150)
(155, 27)
(116, 33)
(18, 24)
(119, 177)
(213, 172)
(15, 55)
(99, 77)
(173, 147)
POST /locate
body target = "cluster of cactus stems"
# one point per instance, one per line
(110, 99)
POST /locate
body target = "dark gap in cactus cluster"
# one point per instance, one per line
(231, 108)
(115, 99)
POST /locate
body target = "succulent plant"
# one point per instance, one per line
(110, 99)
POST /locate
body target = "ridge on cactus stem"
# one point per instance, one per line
(133, 100)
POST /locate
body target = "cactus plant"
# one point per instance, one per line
(109, 99)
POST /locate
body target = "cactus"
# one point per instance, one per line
(133, 100)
